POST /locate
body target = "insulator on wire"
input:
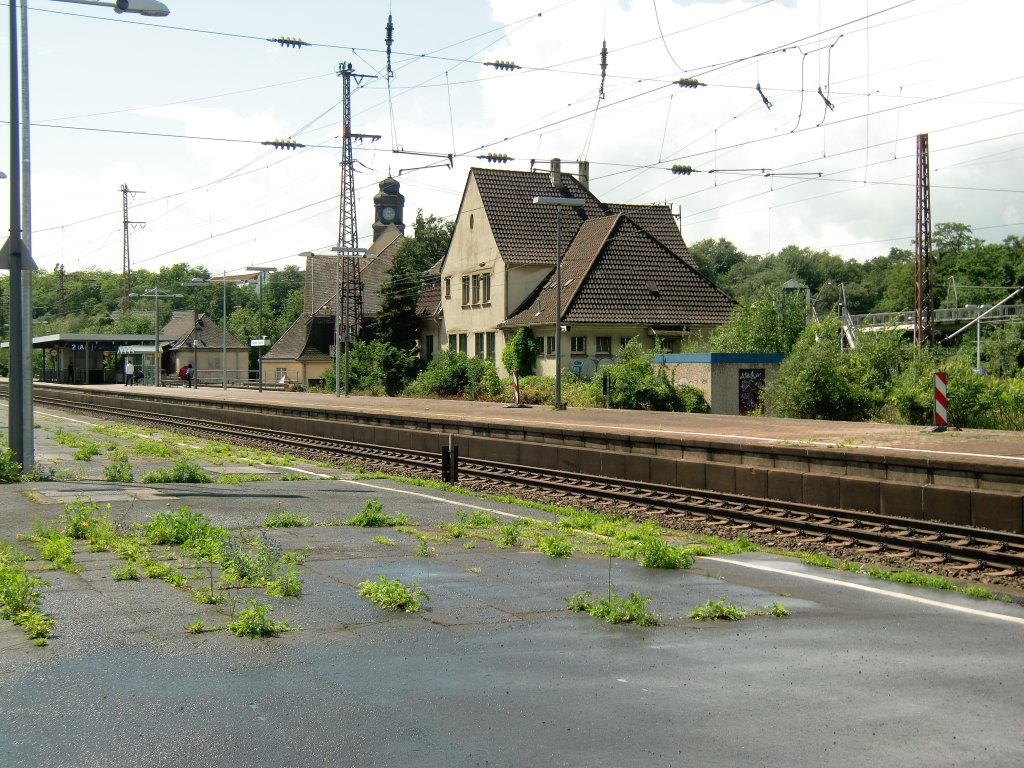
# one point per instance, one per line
(283, 144)
(828, 103)
(682, 170)
(763, 97)
(604, 65)
(288, 42)
(689, 82)
(499, 64)
(389, 38)
(494, 157)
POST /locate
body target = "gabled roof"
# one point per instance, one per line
(374, 271)
(186, 326)
(308, 338)
(523, 230)
(658, 220)
(322, 275)
(429, 304)
(617, 273)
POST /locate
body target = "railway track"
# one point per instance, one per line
(983, 553)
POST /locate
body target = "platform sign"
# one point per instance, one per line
(941, 416)
(258, 342)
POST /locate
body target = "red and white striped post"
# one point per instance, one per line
(941, 417)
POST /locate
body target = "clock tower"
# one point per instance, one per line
(388, 206)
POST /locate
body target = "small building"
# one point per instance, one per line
(194, 337)
(732, 383)
(90, 358)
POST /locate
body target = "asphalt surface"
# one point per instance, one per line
(494, 671)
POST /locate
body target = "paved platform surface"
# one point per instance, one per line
(977, 446)
(495, 671)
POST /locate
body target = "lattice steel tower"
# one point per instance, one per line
(924, 300)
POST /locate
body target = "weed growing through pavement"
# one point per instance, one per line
(778, 610)
(286, 520)
(510, 535)
(615, 609)
(372, 515)
(125, 572)
(394, 595)
(384, 541)
(86, 452)
(21, 596)
(713, 610)
(183, 471)
(56, 548)
(655, 552)
(556, 546)
(236, 479)
(10, 470)
(118, 471)
(256, 621)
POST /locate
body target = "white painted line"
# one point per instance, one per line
(873, 590)
(422, 495)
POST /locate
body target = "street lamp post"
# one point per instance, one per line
(263, 271)
(560, 202)
(157, 294)
(16, 256)
(223, 323)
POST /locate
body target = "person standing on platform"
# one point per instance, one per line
(129, 373)
(188, 376)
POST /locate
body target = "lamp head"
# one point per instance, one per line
(142, 7)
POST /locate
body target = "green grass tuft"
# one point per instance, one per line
(394, 595)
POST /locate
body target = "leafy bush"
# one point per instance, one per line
(453, 374)
(635, 384)
(183, 471)
(376, 367)
(393, 594)
(372, 515)
(615, 609)
(183, 527)
(520, 353)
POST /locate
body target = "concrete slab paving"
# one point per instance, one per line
(495, 671)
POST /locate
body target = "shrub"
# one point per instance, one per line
(520, 353)
(183, 527)
(21, 596)
(453, 374)
(635, 384)
(393, 594)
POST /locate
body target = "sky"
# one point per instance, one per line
(802, 130)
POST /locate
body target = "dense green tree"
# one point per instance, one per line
(770, 324)
(397, 323)
(520, 354)
(716, 257)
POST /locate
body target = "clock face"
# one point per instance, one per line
(388, 214)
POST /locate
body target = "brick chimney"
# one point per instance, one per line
(556, 173)
(584, 173)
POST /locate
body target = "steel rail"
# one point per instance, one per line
(925, 541)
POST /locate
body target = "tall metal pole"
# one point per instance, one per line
(156, 333)
(560, 203)
(558, 310)
(259, 355)
(19, 262)
(924, 322)
(224, 332)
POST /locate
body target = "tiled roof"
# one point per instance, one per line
(186, 325)
(617, 273)
(523, 230)
(308, 338)
(322, 275)
(429, 304)
(659, 221)
(374, 271)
